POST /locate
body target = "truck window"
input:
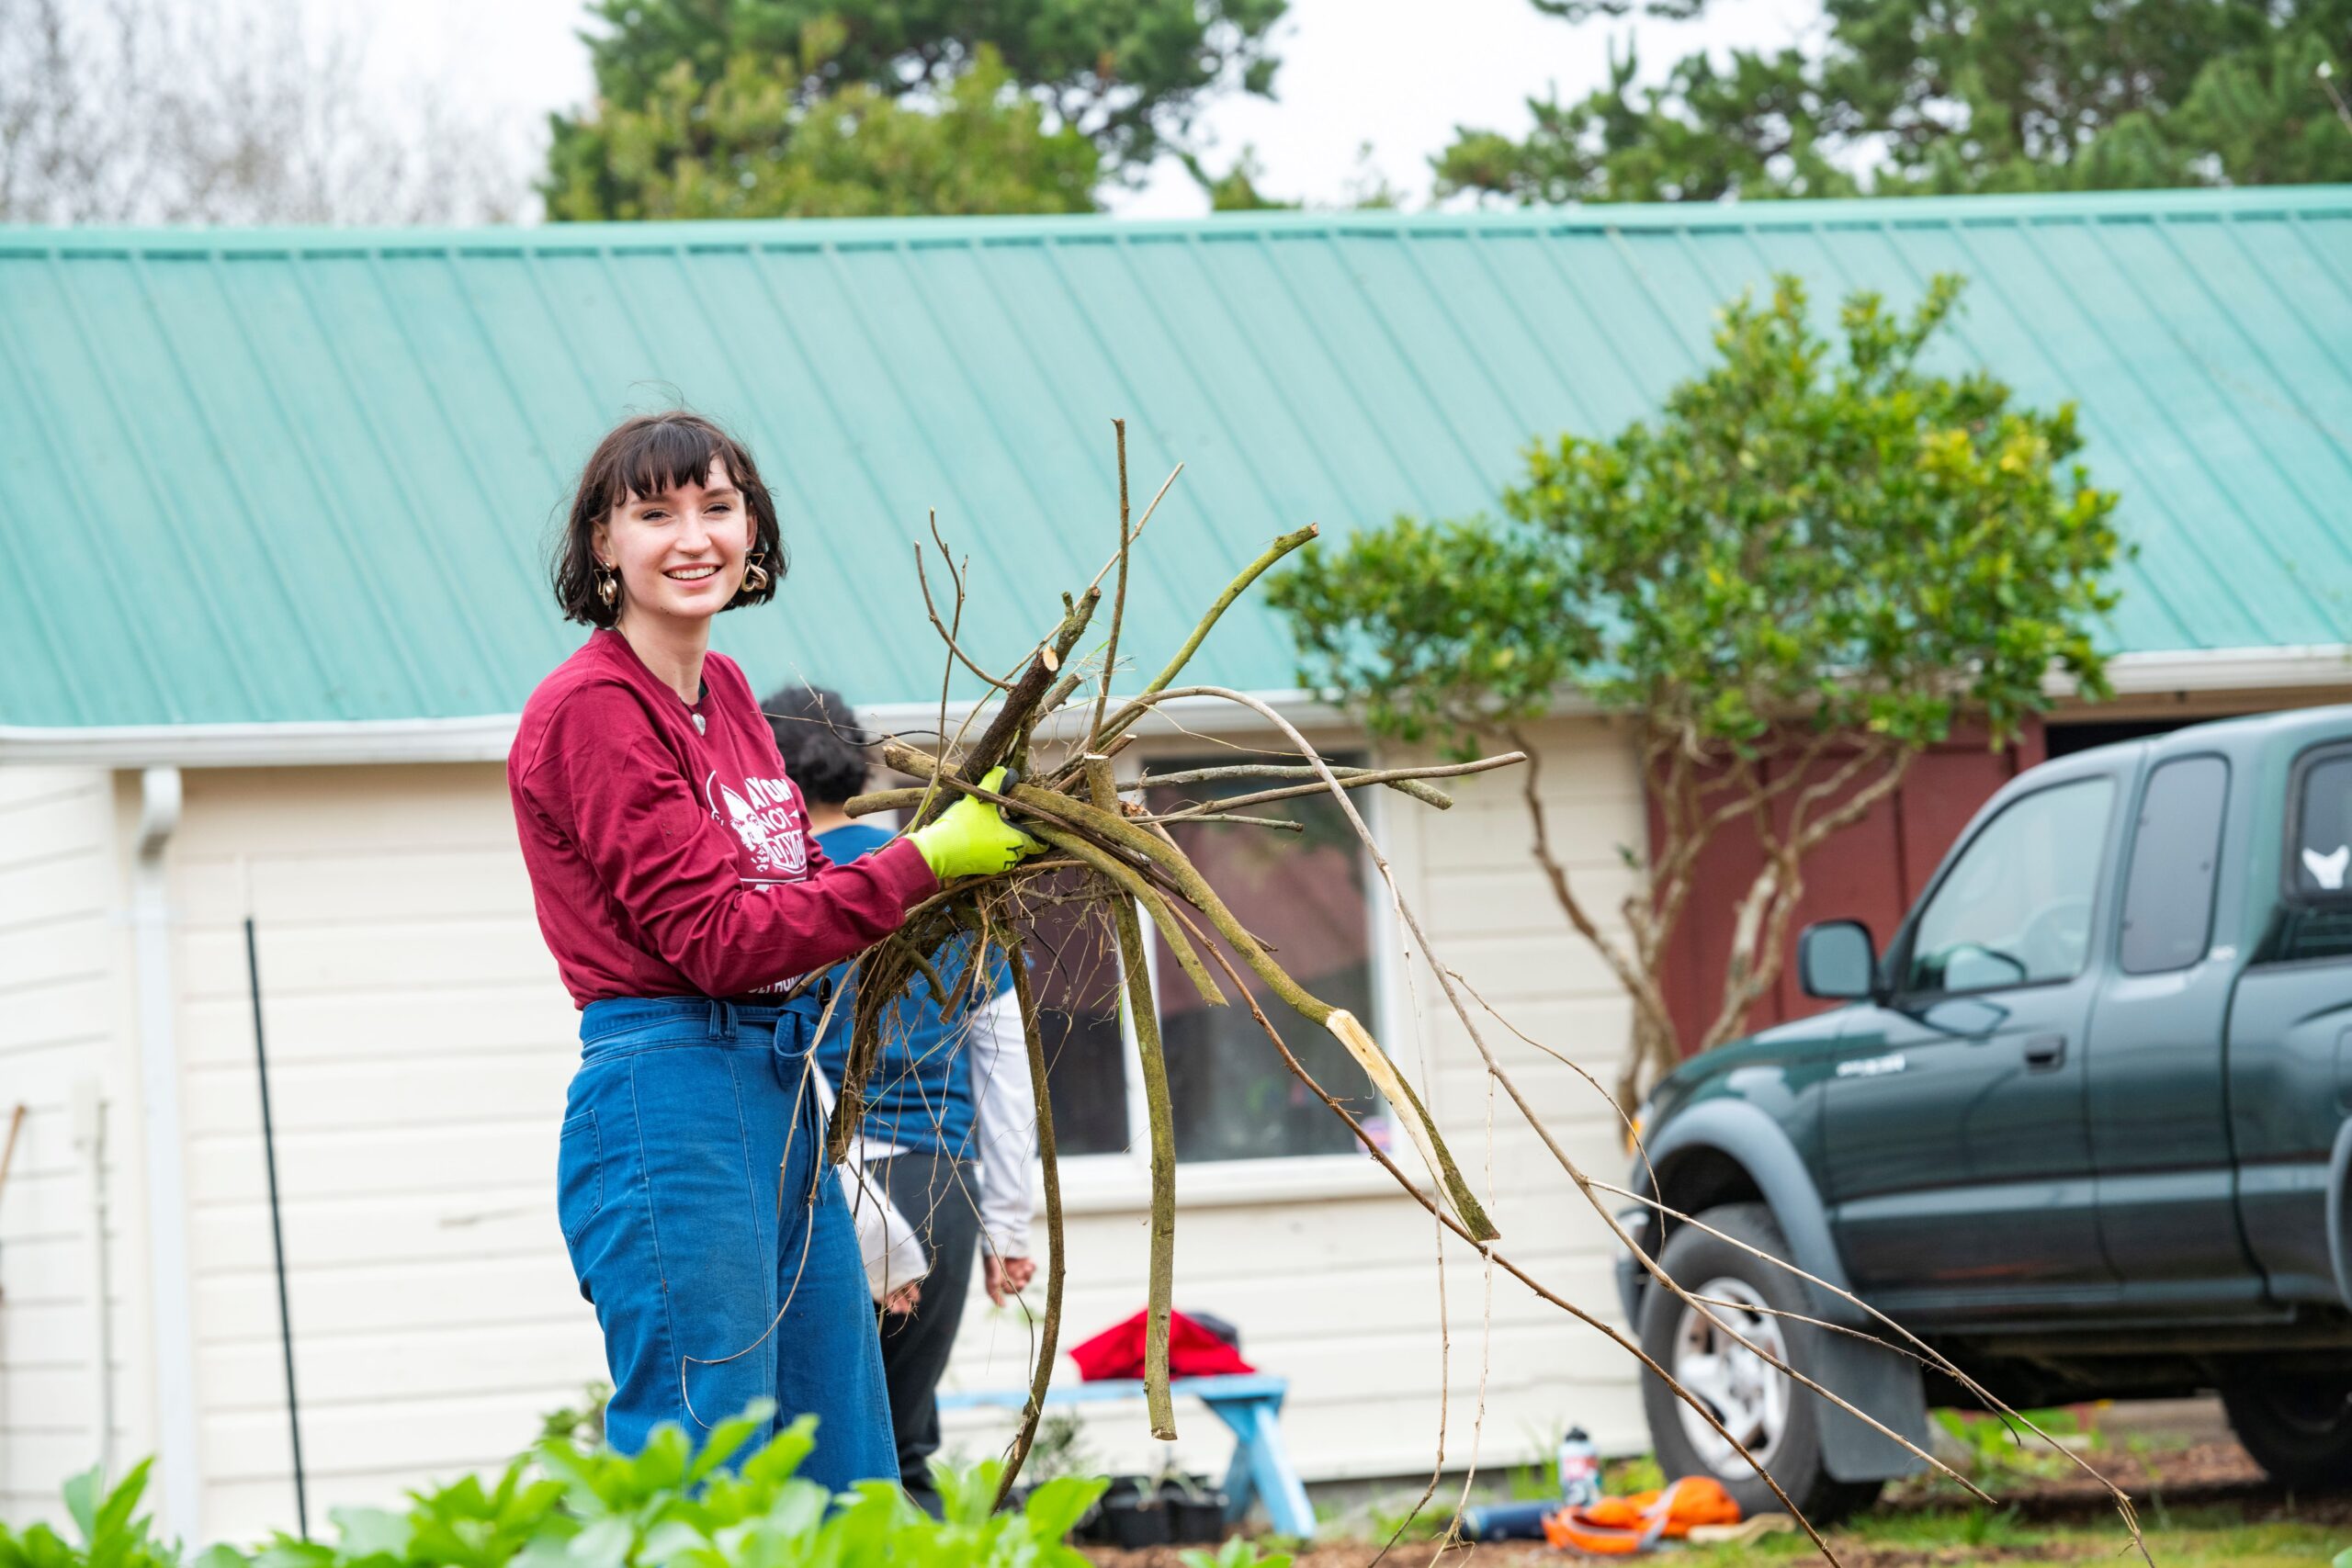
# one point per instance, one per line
(2324, 828)
(2318, 918)
(2016, 909)
(2176, 852)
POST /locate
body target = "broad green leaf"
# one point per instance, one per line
(82, 1493)
(368, 1532)
(1056, 1505)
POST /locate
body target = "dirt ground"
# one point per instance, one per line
(2196, 1498)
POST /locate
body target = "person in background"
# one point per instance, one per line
(950, 1124)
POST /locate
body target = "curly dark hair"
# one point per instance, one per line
(825, 752)
(645, 456)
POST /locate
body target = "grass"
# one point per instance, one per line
(2198, 1538)
(2193, 1514)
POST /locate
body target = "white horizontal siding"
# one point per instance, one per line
(419, 1046)
(63, 973)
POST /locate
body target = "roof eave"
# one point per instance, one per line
(726, 234)
(2221, 670)
(487, 737)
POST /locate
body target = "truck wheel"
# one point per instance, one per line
(1773, 1417)
(2298, 1429)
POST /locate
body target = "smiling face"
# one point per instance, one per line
(668, 508)
(680, 553)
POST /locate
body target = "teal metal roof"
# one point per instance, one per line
(307, 475)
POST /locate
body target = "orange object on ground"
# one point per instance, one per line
(1620, 1527)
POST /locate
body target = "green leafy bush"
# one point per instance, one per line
(573, 1505)
(114, 1534)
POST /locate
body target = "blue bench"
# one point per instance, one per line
(1250, 1404)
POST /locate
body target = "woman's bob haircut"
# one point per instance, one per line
(645, 456)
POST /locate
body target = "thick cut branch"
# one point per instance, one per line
(1020, 708)
(1145, 1015)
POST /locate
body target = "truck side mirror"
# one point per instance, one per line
(1835, 961)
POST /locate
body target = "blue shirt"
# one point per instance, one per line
(919, 1097)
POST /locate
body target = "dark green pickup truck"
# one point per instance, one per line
(2084, 1128)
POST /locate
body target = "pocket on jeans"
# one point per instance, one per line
(578, 1176)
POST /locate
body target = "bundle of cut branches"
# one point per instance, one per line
(1111, 854)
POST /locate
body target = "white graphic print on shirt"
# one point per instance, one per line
(765, 815)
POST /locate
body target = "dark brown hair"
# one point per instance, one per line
(824, 751)
(646, 455)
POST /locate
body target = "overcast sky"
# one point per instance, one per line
(1397, 74)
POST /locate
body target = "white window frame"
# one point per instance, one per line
(1121, 1182)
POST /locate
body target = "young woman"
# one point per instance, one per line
(680, 890)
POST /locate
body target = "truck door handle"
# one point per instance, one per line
(2044, 1050)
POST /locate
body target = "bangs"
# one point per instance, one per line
(642, 457)
(668, 455)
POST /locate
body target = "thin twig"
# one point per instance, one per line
(946, 636)
(1405, 780)
(1118, 598)
(1489, 1249)
(1049, 1334)
(1494, 1066)
(1135, 707)
(1286, 824)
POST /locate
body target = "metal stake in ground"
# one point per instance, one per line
(277, 1235)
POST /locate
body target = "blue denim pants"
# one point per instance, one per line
(710, 1234)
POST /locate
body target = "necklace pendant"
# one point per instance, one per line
(700, 728)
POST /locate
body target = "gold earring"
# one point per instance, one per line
(755, 576)
(608, 586)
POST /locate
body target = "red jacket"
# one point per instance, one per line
(668, 859)
(1193, 1351)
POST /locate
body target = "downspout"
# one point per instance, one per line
(159, 1075)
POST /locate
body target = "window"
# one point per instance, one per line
(1075, 977)
(2016, 910)
(2323, 830)
(2176, 852)
(2318, 918)
(1234, 1099)
(1303, 893)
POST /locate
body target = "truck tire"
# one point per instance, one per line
(1776, 1418)
(2298, 1429)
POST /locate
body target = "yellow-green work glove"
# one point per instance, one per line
(972, 837)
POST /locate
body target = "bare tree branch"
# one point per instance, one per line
(233, 112)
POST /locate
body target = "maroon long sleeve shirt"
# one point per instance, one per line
(672, 858)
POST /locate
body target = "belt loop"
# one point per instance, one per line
(722, 1019)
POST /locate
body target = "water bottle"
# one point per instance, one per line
(1579, 1470)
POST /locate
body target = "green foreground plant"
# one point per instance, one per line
(572, 1505)
(1237, 1552)
(1996, 1447)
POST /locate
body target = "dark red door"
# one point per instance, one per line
(1869, 871)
